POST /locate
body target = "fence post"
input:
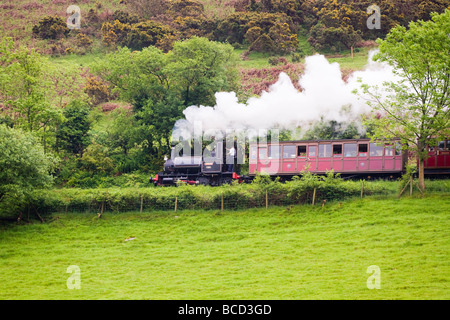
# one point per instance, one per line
(314, 196)
(267, 200)
(411, 186)
(221, 203)
(101, 210)
(176, 203)
(142, 200)
(362, 189)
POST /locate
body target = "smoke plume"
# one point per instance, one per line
(325, 96)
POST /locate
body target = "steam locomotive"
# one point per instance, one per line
(213, 167)
(360, 158)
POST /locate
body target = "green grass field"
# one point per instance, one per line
(279, 253)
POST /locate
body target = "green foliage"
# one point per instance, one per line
(160, 85)
(329, 130)
(124, 192)
(417, 111)
(97, 90)
(72, 134)
(95, 159)
(200, 68)
(23, 167)
(27, 90)
(333, 38)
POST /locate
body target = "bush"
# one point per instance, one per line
(135, 36)
(277, 60)
(296, 57)
(264, 32)
(51, 27)
(97, 90)
(124, 193)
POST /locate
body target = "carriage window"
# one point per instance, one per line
(288, 152)
(398, 149)
(324, 150)
(301, 151)
(375, 151)
(274, 152)
(388, 150)
(312, 151)
(446, 147)
(441, 145)
(253, 153)
(362, 150)
(350, 150)
(262, 154)
(337, 150)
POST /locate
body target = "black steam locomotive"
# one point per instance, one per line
(215, 166)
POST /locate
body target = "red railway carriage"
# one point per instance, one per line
(347, 157)
(438, 161)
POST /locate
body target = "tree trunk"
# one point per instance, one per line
(421, 174)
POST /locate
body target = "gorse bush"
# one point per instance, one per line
(51, 27)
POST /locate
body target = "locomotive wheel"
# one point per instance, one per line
(203, 181)
(226, 181)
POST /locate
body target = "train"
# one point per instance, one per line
(351, 158)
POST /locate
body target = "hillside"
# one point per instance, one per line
(151, 60)
(283, 29)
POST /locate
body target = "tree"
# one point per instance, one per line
(160, 85)
(72, 134)
(28, 90)
(23, 167)
(416, 109)
(200, 68)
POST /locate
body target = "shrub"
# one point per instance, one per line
(263, 31)
(51, 27)
(97, 90)
(83, 42)
(277, 60)
(296, 57)
(125, 17)
(135, 36)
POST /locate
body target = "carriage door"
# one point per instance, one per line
(389, 157)
(363, 153)
(289, 159)
(301, 157)
(350, 156)
(312, 158)
(375, 157)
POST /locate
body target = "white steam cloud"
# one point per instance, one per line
(325, 96)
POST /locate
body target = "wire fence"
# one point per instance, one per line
(100, 201)
(180, 202)
(177, 203)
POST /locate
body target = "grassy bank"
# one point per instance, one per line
(299, 252)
